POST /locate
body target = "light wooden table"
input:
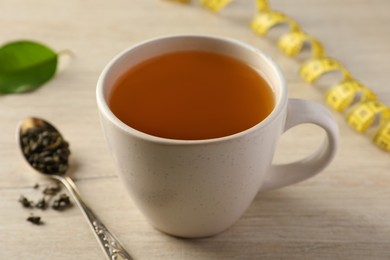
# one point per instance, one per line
(343, 213)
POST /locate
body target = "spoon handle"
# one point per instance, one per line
(109, 243)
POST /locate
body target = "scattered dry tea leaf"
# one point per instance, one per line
(49, 192)
(62, 202)
(36, 220)
(25, 202)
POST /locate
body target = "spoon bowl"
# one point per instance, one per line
(43, 147)
(45, 150)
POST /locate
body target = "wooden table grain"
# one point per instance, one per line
(343, 213)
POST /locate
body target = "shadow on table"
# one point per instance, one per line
(287, 224)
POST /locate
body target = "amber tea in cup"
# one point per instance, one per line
(191, 95)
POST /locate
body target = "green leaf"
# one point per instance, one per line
(25, 65)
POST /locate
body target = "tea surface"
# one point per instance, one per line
(191, 95)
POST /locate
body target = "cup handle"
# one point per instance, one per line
(299, 112)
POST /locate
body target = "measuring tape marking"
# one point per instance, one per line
(382, 136)
(344, 94)
(292, 43)
(364, 114)
(314, 68)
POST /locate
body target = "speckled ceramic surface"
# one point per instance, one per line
(200, 188)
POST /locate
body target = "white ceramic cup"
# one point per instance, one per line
(198, 188)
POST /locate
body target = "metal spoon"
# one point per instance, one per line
(109, 243)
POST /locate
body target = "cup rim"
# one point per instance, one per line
(106, 111)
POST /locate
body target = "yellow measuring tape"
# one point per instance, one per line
(264, 21)
(215, 5)
(365, 114)
(382, 136)
(364, 111)
(292, 44)
(262, 5)
(314, 68)
(346, 93)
